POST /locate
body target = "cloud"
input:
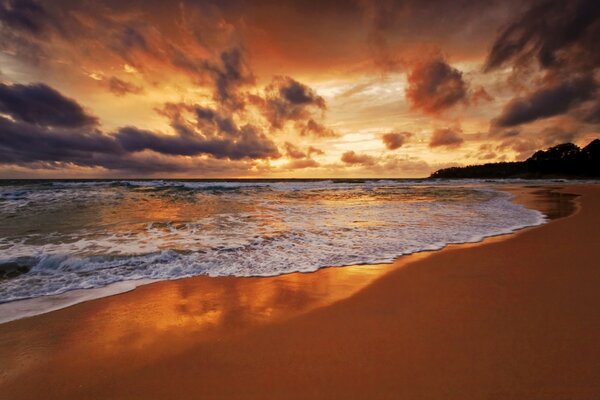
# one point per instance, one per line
(21, 142)
(558, 34)
(46, 128)
(446, 137)
(248, 144)
(121, 88)
(394, 141)
(300, 159)
(301, 164)
(228, 74)
(480, 95)
(24, 144)
(41, 105)
(25, 15)
(435, 86)
(131, 38)
(313, 150)
(314, 128)
(293, 151)
(288, 100)
(353, 158)
(546, 102)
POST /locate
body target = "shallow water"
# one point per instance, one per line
(61, 236)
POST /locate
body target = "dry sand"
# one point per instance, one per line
(516, 317)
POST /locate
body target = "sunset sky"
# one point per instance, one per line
(268, 89)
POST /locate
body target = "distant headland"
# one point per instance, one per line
(562, 161)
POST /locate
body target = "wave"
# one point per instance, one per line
(288, 229)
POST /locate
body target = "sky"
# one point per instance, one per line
(291, 88)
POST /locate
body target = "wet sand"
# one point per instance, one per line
(516, 316)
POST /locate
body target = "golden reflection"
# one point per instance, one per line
(167, 318)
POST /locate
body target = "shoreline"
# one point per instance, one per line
(514, 317)
(26, 308)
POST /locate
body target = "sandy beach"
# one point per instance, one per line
(513, 317)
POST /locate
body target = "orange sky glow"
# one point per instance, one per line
(290, 89)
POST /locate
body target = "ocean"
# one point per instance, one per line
(59, 236)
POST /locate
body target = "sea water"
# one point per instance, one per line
(59, 236)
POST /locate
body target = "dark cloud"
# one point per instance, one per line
(296, 93)
(353, 158)
(50, 129)
(288, 100)
(249, 143)
(121, 88)
(558, 34)
(546, 102)
(228, 75)
(446, 137)
(25, 15)
(222, 123)
(394, 141)
(435, 86)
(41, 105)
(21, 142)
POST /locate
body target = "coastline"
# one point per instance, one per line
(503, 318)
(534, 197)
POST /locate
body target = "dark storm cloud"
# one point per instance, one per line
(41, 105)
(289, 100)
(546, 102)
(435, 86)
(446, 137)
(558, 34)
(394, 141)
(121, 88)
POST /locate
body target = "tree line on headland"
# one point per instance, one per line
(562, 161)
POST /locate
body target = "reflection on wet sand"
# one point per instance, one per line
(169, 317)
